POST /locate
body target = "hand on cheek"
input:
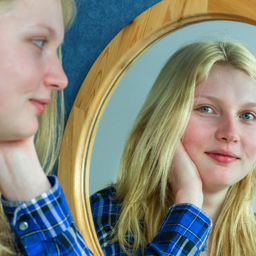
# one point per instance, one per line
(21, 175)
(184, 178)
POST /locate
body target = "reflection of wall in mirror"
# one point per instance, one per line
(132, 90)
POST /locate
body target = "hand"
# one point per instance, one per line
(185, 180)
(21, 175)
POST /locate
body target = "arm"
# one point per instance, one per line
(36, 206)
(185, 180)
(44, 225)
(186, 227)
(183, 232)
(22, 177)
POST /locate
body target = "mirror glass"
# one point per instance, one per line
(130, 94)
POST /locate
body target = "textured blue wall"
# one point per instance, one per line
(97, 23)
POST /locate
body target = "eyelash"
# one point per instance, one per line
(253, 115)
(35, 41)
(248, 113)
(200, 109)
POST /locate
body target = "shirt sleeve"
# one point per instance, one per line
(184, 231)
(44, 225)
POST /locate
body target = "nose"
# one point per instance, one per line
(227, 130)
(55, 77)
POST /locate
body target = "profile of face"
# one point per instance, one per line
(221, 134)
(31, 32)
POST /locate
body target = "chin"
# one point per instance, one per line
(21, 134)
(217, 185)
(15, 137)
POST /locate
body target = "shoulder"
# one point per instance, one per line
(105, 212)
(108, 193)
(103, 200)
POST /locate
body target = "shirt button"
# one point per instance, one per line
(23, 226)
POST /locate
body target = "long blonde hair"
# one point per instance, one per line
(51, 126)
(142, 184)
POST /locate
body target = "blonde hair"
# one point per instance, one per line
(51, 127)
(142, 184)
(51, 124)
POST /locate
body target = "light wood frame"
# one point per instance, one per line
(105, 75)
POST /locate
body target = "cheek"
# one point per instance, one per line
(22, 68)
(196, 139)
(249, 145)
(10, 89)
(193, 134)
(7, 92)
(191, 140)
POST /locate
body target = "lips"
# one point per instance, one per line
(42, 101)
(223, 156)
(40, 104)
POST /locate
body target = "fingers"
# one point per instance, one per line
(21, 174)
(184, 178)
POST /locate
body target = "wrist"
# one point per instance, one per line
(189, 196)
(21, 177)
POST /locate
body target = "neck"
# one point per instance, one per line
(213, 202)
(212, 205)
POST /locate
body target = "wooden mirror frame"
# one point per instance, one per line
(105, 75)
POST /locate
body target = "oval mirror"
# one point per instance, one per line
(146, 30)
(132, 90)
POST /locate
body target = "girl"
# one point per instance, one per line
(32, 80)
(189, 162)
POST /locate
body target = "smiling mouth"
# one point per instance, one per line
(222, 158)
(39, 106)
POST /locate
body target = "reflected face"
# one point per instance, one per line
(221, 134)
(31, 31)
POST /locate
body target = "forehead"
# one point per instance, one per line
(227, 82)
(26, 13)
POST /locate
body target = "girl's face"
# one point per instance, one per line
(221, 134)
(31, 31)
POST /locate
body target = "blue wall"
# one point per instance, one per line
(97, 23)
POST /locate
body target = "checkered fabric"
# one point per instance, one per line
(184, 231)
(44, 225)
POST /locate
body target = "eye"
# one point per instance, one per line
(248, 116)
(206, 109)
(39, 42)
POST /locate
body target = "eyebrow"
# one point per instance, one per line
(213, 98)
(50, 29)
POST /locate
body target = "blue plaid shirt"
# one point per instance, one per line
(184, 231)
(44, 225)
